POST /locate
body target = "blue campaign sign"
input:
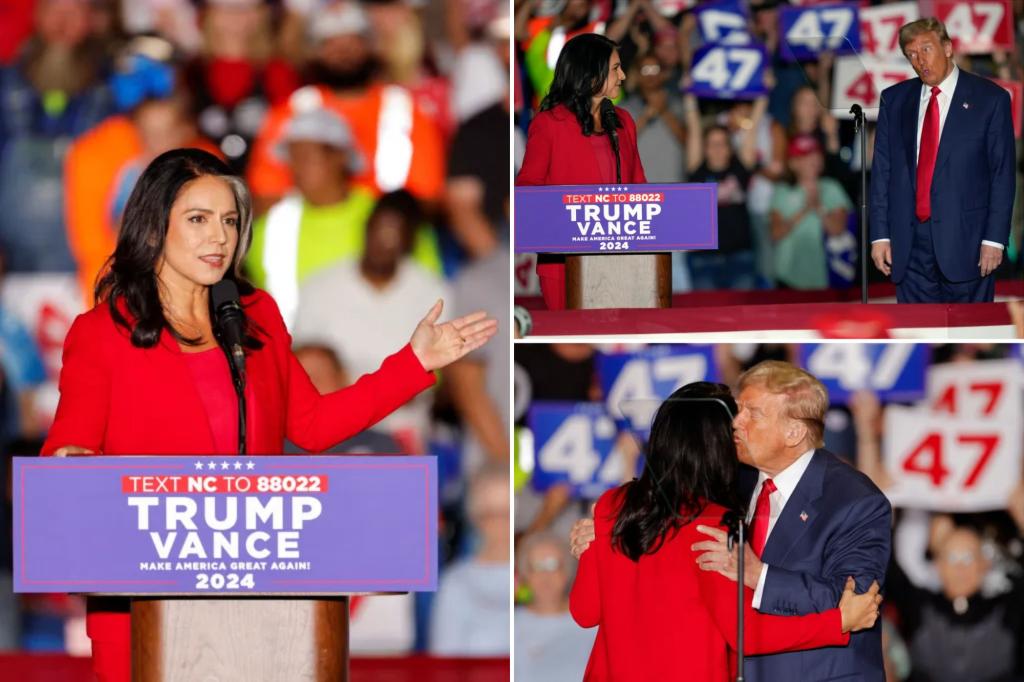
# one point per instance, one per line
(841, 254)
(724, 22)
(635, 383)
(894, 371)
(574, 443)
(729, 72)
(809, 31)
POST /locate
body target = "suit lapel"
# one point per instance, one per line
(956, 119)
(911, 111)
(799, 514)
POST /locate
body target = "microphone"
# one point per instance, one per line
(610, 123)
(229, 322)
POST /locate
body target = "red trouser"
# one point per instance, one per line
(111, 635)
(552, 284)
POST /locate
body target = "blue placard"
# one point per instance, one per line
(841, 254)
(729, 72)
(808, 31)
(616, 219)
(574, 443)
(635, 383)
(724, 22)
(894, 371)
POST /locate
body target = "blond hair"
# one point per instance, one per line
(915, 28)
(806, 397)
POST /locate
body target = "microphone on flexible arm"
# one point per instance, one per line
(610, 123)
(229, 325)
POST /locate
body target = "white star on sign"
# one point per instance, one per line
(250, 465)
(238, 465)
(211, 465)
(224, 465)
(199, 466)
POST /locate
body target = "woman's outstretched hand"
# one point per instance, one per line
(438, 345)
(860, 611)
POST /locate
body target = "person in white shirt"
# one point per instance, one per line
(360, 308)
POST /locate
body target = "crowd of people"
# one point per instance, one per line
(373, 138)
(786, 163)
(953, 585)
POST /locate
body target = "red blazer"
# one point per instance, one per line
(662, 618)
(557, 152)
(117, 399)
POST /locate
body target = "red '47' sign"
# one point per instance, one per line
(961, 450)
(976, 26)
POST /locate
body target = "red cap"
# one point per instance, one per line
(802, 145)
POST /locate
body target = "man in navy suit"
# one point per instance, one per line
(814, 520)
(942, 179)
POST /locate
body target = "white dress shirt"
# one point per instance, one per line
(945, 98)
(785, 483)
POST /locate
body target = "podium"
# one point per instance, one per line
(617, 239)
(233, 572)
(619, 281)
(180, 640)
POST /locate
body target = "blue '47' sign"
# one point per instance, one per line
(574, 443)
(723, 22)
(635, 384)
(729, 72)
(894, 371)
(809, 31)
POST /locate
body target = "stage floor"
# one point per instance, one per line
(792, 316)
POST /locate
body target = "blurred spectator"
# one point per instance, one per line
(970, 629)
(22, 371)
(402, 146)
(325, 222)
(328, 375)
(476, 191)
(542, 37)
(103, 164)
(362, 308)
(237, 76)
(479, 382)
(710, 158)
(471, 609)
(809, 117)
(51, 94)
(806, 211)
(550, 647)
(659, 121)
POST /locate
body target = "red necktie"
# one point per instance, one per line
(759, 527)
(926, 158)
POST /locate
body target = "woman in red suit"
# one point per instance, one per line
(659, 616)
(568, 142)
(144, 372)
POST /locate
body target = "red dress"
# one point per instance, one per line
(662, 618)
(558, 153)
(116, 399)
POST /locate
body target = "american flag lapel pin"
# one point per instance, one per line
(966, 105)
(803, 516)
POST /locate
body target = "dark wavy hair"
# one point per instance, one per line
(580, 73)
(129, 278)
(690, 462)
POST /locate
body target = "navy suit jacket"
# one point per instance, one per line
(836, 524)
(974, 182)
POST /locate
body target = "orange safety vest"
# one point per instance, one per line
(401, 145)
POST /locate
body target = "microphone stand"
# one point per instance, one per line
(736, 538)
(860, 127)
(238, 381)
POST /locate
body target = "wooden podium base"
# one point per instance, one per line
(642, 280)
(218, 640)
